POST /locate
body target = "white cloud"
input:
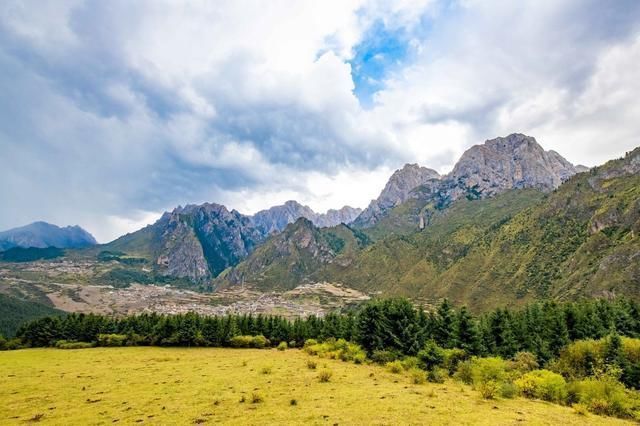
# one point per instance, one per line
(114, 111)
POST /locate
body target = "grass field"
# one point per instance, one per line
(193, 386)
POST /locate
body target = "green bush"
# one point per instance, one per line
(311, 364)
(465, 372)
(293, 344)
(524, 362)
(282, 346)
(395, 367)
(508, 390)
(543, 384)
(489, 390)
(431, 356)
(111, 340)
(258, 342)
(603, 397)
(452, 358)
(310, 342)
(410, 363)
(487, 375)
(336, 349)
(418, 376)
(241, 341)
(383, 357)
(436, 375)
(68, 344)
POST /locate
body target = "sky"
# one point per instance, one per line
(112, 112)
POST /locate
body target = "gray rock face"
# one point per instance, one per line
(517, 161)
(397, 191)
(42, 235)
(276, 218)
(198, 242)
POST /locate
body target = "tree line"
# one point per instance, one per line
(392, 325)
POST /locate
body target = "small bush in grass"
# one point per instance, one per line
(67, 344)
(260, 342)
(602, 396)
(282, 346)
(395, 367)
(543, 384)
(580, 409)
(265, 370)
(508, 390)
(465, 372)
(324, 376)
(489, 389)
(383, 357)
(418, 376)
(293, 344)
(311, 364)
(436, 375)
(410, 362)
(240, 341)
(431, 356)
(488, 369)
(293, 402)
(256, 398)
(111, 340)
(360, 358)
(310, 342)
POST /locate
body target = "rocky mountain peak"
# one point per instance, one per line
(42, 234)
(515, 161)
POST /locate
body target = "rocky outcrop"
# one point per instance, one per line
(275, 219)
(397, 191)
(42, 235)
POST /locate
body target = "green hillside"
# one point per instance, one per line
(14, 312)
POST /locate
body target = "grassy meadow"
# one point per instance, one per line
(240, 386)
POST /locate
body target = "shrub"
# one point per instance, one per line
(410, 363)
(260, 342)
(465, 372)
(256, 398)
(580, 409)
(293, 402)
(431, 356)
(395, 367)
(336, 349)
(384, 356)
(111, 340)
(282, 346)
(360, 358)
(524, 362)
(310, 342)
(604, 397)
(486, 370)
(418, 377)
(241, 341)
(293, 344)
(67, 344)
(489, 390)
(543, 384)
(452, 358)
(508, 390)
(436, 375)
(324, 376)
(311, 364)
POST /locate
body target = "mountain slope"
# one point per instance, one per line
(14, 312)
(581, 240)
(42, 235)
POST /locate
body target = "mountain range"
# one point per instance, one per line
(43, 235)
(510, 223)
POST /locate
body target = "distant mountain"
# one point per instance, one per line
(509, 241)
(275, 219)
(42, 235)
(513, 162)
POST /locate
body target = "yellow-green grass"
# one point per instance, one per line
(187, 386)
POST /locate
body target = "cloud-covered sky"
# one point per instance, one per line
(114, 111)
